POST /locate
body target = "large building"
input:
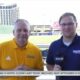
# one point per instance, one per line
(8, 14)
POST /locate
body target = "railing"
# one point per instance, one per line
(44, 49)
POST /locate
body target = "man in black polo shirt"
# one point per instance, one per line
(64, 54)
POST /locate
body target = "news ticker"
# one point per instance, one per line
(39, 73)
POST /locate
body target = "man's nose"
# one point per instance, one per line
(22, 32)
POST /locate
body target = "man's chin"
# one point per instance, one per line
(23, 41)
(68, 36)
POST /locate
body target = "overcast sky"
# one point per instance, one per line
(45, 11)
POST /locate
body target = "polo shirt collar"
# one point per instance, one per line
(73, 42)
(14, 45)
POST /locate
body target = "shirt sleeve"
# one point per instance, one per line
(0, 56)
(55, 54)
(50, 55)
(40, 63)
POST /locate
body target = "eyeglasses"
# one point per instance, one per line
(67, 24)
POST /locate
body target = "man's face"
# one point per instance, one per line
(68, 26)
(21, 33)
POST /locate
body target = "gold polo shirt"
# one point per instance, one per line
(12, 56)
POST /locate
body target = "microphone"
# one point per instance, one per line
(59, 58)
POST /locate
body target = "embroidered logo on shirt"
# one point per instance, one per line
(76, 51)
(8, 58)
(59, 58)
(30, 56)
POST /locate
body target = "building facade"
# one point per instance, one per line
(8, 14)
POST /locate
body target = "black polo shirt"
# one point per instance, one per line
(68, 57)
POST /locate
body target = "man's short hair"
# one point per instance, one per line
(22, 21)
(68, 14)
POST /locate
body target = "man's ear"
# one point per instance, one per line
(13, 32)
(30, 32)
(76, 25)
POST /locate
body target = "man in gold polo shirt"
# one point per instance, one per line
(19, 53)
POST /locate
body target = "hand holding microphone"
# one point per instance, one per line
(57, 67)
(58, 61)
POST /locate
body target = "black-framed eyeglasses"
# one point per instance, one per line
(67, 24)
